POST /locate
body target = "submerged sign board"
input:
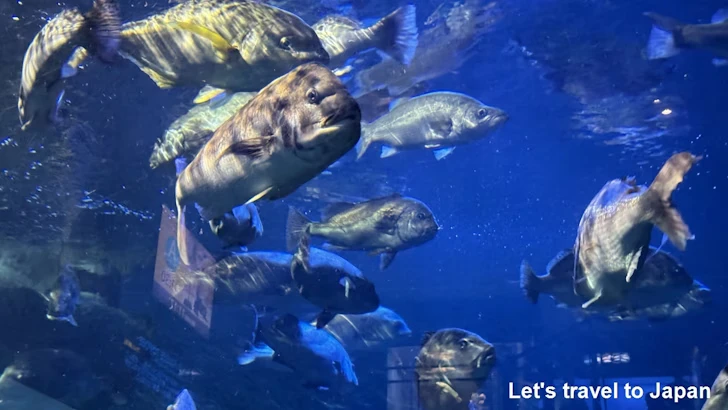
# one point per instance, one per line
(175, 284)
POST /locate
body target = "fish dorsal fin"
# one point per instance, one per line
(558, 258)
(334, 209)
(720, 16)
(426, 338)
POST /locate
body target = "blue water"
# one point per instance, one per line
(517, 194)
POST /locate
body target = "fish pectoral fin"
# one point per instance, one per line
(214, 37)
(388, 152)
(633, 264)
(591, 301)
(209, 93)
(446, 388)
(259, 196)
(442, 153)
(385, 259)
(332, 248)
(324, 318)
(250, 147)
(70, 68)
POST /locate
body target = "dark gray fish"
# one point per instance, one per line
(232, 45)
(439, 121)
(395, 35)
(63, 298)
(368, 330)
(188, 133)
(55, 54)
(616, 228)
(450, 367)
(381, 226)
(292, 130)
(238, 228)
(183, 402)
(263, 279)
(718, 393)
(697, 298)
(669, 37)
(662, 288)
(340, 288)
(313, 354)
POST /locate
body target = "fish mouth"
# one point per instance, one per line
(319, 56)
(336, 122)
(499, 119)
(487, 358)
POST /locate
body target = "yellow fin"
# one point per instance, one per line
(209, 93)
(216, 39)
(259, 196)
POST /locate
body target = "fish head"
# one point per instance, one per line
(282, 42)
(317, 117)
(401, 328)
(416, 224)
(480, 118)
(459, 355)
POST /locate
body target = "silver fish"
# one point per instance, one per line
(290, 132)
(395, 35)
(439, 121)
(616, 227)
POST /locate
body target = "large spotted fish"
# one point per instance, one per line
(290, 132)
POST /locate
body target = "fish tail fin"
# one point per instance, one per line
(529, 282)
(664, 215)
(255, 352)
(347, 368)
(396, 34)
(104, 29)
(296, 228)
(364, 141)
(661, 43)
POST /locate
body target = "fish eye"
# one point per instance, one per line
(285, 43)
(421, 216)
(482, 113)
(312, 96)
(464, 344)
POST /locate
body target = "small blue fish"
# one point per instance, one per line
(63, 298)
(314, 354)
(183, 402)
